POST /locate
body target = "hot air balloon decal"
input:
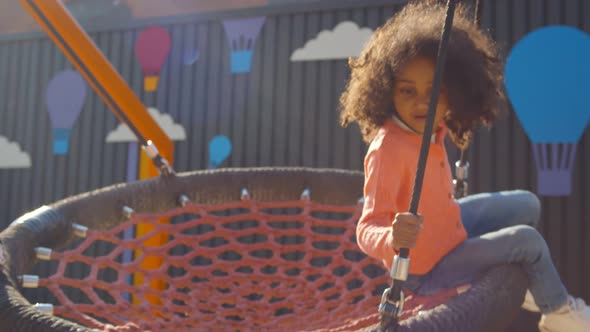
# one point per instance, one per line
(191, 56)
(242, 34)
(65, 97)
(219, 149)
(548, 80)
(151, 49)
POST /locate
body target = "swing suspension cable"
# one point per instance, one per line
(460, 184)
(392, 300)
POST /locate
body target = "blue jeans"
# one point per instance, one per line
(501, 229)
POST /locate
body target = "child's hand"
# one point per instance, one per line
(405, 229)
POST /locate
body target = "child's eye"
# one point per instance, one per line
(406, 91)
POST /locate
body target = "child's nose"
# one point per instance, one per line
(422, 104)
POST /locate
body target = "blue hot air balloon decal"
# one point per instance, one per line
(548, 80)
(65, 96)
(219, 149)
(242, 34)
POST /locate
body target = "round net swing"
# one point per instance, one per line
(248, 250)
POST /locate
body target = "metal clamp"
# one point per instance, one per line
(391, 308)
(461, 171)
(162, 164)
(151, 150)
(461, 188)
(400, 268)
(460, 184)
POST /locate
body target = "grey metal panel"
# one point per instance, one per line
(520, 146)
(310, 95)
(583, 245)
(280, 130)
(267, 67)
(5, 121)
(573, 217)
(501, 132)
(297, 38)
(28, 95)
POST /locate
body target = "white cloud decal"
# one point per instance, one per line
(123, 134)
(346, 40)
(11, 155)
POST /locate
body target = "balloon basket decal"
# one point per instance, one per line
(241, 36)
(150, 83)
(241, 61)
(554, 168)
(61, 138)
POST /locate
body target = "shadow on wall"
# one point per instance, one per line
(15, 19)
(100, 11)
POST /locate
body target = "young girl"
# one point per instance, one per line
(451, 241)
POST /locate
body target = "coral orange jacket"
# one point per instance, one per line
(390, 168)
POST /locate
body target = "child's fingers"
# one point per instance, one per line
(405, 230)
(407, 217)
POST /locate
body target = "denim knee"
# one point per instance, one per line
(531, 207)
(530, 241)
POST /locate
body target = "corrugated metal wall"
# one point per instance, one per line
(282, 113)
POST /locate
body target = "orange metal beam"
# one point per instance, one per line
(69, 36)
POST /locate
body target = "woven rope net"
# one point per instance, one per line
(280, 256)
(257, 264)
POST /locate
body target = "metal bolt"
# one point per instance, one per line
(183, 200)
(305, 194)
(46, 308)
(245, 194)
(43, 253)
(80, 230)
(29, 281)
(128, 212)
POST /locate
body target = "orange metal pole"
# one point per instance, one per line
(69, 36)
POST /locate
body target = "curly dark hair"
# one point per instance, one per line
(472, 75)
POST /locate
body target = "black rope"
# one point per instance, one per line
(387, 319)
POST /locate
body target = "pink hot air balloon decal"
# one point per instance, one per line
(64, 97)
(242, 34)
(152, 49)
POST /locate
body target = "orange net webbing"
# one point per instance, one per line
(241, 266)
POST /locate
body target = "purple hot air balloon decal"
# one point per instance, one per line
(65, 97)
(242, 34)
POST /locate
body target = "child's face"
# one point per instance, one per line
(411, 94)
